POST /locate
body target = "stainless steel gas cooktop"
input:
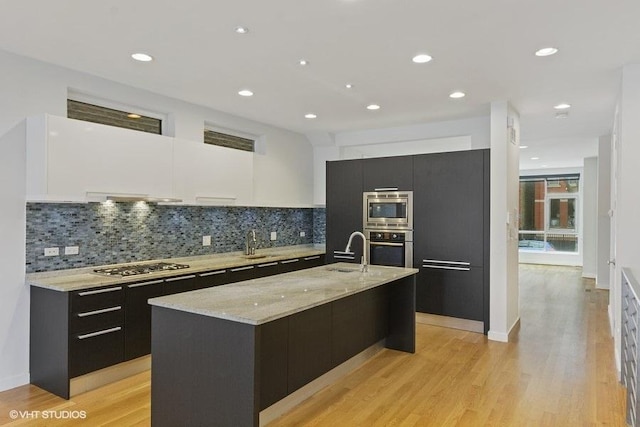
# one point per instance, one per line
(135, 269)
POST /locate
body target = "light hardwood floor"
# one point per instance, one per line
(558, 370)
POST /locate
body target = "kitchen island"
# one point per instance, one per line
(222, 355)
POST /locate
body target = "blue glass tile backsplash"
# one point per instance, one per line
(110, 233)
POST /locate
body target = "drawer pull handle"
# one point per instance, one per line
(212, 273)
(242, 268)
(95, 334)
(386, 189)
(438, 261)
(99, 291)
(309, 258)
(270, 264)
(289, 261)
(137, 285)
(444, 267)
(175, 279)
(104, 310)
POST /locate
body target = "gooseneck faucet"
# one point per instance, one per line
(250, 243)
(364, 267)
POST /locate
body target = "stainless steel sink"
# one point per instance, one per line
(343, 269)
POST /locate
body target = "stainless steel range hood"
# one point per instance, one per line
(125, 197)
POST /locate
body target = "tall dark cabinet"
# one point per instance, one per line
(344, 206)
(451, 193)
(451, 223)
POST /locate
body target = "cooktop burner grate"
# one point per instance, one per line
(135, 269)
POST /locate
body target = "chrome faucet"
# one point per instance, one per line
(364, 267)
(250, 243)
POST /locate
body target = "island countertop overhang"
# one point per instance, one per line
(266, 299)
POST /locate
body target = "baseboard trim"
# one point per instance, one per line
(589, 276)
(285, 405)
(450, 322)
(504, 336)
(14, 381)
(105, 376)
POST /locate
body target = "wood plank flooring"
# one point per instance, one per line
(558, 370)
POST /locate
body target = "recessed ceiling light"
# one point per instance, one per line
(546, 51)
(134, 116)
(245, 92)
(142, 57)
(457, 94)
(562, 106)
(303, 62)
(349, 86)
(310, 116)
(242, 30)
(535, 158)
(422, 58)
(373, 107)
(524, 146)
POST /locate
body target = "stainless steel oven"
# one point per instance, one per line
(389, 210)
(390, 247)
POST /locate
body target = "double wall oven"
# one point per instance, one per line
(387, 220)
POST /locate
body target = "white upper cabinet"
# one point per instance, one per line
(207, 174)
(73, 160)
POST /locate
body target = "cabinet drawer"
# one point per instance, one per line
(92, 351)
(96, 299)
(94, 320)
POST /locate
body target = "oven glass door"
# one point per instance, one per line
(387, 253)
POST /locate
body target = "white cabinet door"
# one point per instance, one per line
(70, 158)
(208, 174)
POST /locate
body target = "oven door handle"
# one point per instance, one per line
(399, 245)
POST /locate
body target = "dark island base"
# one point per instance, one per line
(208, 371)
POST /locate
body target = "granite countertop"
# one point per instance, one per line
(265, 299)
(83, 278)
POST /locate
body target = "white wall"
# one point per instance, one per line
(453, 135)
(505, 155)
(604, 204)
(589, 217)
(283, 168)
(14, 293)
(627, 230)
(283, 173)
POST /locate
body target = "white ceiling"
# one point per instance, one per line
(484, 48)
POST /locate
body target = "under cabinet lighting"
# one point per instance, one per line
(310, 116)
(373, 107)
(562, 106)
(457, 95)
(245, 92)
(422, 58)
(242, 30)
(134, 116)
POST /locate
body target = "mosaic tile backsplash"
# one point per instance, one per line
(110, 233)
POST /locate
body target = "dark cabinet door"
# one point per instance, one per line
(449, 192)
(454, 293)
(213, 278)
(138, 317)
(95, 350)
(344, 206)
(265, 269)
(309, 347)
(388, 173)
(238, 274)
(175, 285)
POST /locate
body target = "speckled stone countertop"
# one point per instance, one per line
(83, 278)
(262, 300)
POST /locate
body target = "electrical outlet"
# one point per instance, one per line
(71, 250)
(51, 251)
(302, 234)
(274, 235)
(206, 240)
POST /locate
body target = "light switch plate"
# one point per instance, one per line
(274, 235)
(206, 240)
(302, 234)
(71, 250)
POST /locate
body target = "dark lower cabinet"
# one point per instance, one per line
(309, 350)
(273, 339)
(176, 285)
(96, 350)
(138, 315)
(453, 293)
